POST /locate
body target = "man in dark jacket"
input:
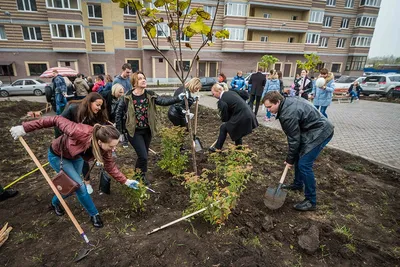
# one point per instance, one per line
(257, 81)
(238, 120)
(308, 132)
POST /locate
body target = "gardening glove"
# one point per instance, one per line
(191, 115)
(196, 98)
(17, 131)
(132, 184)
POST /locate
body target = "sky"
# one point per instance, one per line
(386, 39)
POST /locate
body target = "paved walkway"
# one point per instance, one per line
(367, 129)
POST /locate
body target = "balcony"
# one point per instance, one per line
(162, 44)
(283, 25)
(274, 47)
(287, 3)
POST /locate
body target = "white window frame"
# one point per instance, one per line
(264, 39)
(97, 43)
(266, 15)
(289, 39)
(183, 38)
(236, 9)
(331, 3)
(345, 23)
(341, 43)
(27, 9)
(292, 17)
(371, 3)
(365, 21)
(130, 34)
(210, 10)
(313, 38)
(32, 34)
(235, 34)
(63, 4)
(337, 63)
(126, 11)
(57, 34)
(92, 6)
(316, 16)
(164, 28)
(349, 4)
(183, 61)
(361, 41)
(323, 42)
(3, 35)
(327, 19)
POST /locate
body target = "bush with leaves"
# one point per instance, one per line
(220, 189)
(136, 197)
(172, 159)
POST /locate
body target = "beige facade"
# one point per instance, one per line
(96, 36)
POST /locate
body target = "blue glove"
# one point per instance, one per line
(132, 184)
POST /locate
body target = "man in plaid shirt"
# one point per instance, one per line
(60, 92)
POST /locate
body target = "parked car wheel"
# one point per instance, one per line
(389, 94)
(49, 94)
(4, 93)
(37, 92)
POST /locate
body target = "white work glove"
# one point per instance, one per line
(196, 98)
(121, 138)
(17, 131)
(191, 115)
(132, 184)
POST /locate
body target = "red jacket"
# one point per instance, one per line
(79, 139)
(97, 86)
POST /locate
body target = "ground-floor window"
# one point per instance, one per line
(6, 70)
(36, 69)
(99, 68)
(135, 63)
(336, 67)
(356, 62)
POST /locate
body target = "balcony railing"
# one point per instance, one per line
(163, 44)
(284, 25)
(295, 48)
(302, 4)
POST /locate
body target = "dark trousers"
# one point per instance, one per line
(85, 170)
(251, 101)
(1, 190)
(141, 143)
(222, 137)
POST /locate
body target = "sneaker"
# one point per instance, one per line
(96, 221)
(305, 205)
(89, 189)
(292, 187)
(58, 210)
(212, 149)
(8, 193)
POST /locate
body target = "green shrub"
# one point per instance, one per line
(136, 197)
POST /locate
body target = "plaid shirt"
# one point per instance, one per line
(59, 84)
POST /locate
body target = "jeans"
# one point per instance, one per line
(304, 174)
(258, 100)
(323, 110)
(353, 95)
(61, 101)
(73, 168)
(141, 143)
(222, 137)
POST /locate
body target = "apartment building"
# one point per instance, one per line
(97, 37)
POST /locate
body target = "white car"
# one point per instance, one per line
(345, 81)
(24, 87)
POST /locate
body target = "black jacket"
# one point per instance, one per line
(111, 109)
(307, 86)
(175, 114)
(304, 126)
(257, 81)
(236, 114)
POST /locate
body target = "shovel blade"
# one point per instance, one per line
(197, 145)
(274, 198)
(82, 254)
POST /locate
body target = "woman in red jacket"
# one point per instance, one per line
(79, 141)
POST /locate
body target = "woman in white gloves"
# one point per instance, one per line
(79, 142)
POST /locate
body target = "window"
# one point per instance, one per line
(131, 34)
(373, 3)
(365, 21)
(29, 82)
(134, 63)
(26, 5)
(236, 34)
(290, 40)
(185, 64)
(355, 63)
(19, 82)
(210, 10)
(336, 67)
(345, 24)
(204, 37)
(2, 33)
(294, 17)
(162, 30)
(320, 66)
(6, 70)
(316, 16)
(98, 69)
(361, 41)
(66, 31)
(183, 38)
(349, 4)
(340, 43)
(97, 37)
(65, 4)
(32, 33)
(130, 11)
(331, 2)
(234, 9)
(94, 11)
(312, 38)
(36, 69)
(327, 22)
(323, 42)
(267, 15)
(264, 39)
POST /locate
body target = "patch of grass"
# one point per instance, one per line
(396, 252)
(324, 251)
(353, 218)
(344, 231)
(254, 242)
(38, 259)
(354, 205)
(277, 244)
(351, 247)
(24, 236)
(354, 167)
(124, 230)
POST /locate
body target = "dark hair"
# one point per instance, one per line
(273, 97)
(279, 74)
(272, 72)
(323, 71)
(104, 133)
(223, 76)
(80, 75)
(101, 77)
(85, 113)
(134, 77)
(126, 66)
(109, 78)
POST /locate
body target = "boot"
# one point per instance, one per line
(144, 179)
(58, 210)
(96, 221)
(8, 193)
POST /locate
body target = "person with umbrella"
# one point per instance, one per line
(60, 88)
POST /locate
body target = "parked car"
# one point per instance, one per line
(396, 92)
(345, 81)
(247, 78)
(24, 87)
(207, 83)
(380, 84)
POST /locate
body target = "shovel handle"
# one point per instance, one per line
(195, 117)
(284, 174)
(63, 203)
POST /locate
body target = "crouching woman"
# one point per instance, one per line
(79, 142)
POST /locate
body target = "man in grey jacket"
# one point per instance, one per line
(81, 87)
(123, 79)
(308, 132)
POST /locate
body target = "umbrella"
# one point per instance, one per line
(63, 71)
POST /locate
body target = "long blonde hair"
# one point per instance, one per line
(104, 133)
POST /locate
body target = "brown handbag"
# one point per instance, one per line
(64, 184)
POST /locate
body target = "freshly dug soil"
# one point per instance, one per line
(357, 222)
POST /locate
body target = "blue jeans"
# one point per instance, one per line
(304, 174)
(353, 95)
(61, 101)
(74, 169)
(323, 110)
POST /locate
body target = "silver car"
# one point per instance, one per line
(382, 84)
(24, 87)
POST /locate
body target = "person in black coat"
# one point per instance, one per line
(257, 80)
(112, 96)
(304, 85)
(238, 120)
(176, 112)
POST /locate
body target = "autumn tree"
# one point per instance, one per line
(310, 64)
(267, 61)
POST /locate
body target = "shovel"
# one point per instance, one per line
(85, 251)
(197, 143)
(275, 197)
